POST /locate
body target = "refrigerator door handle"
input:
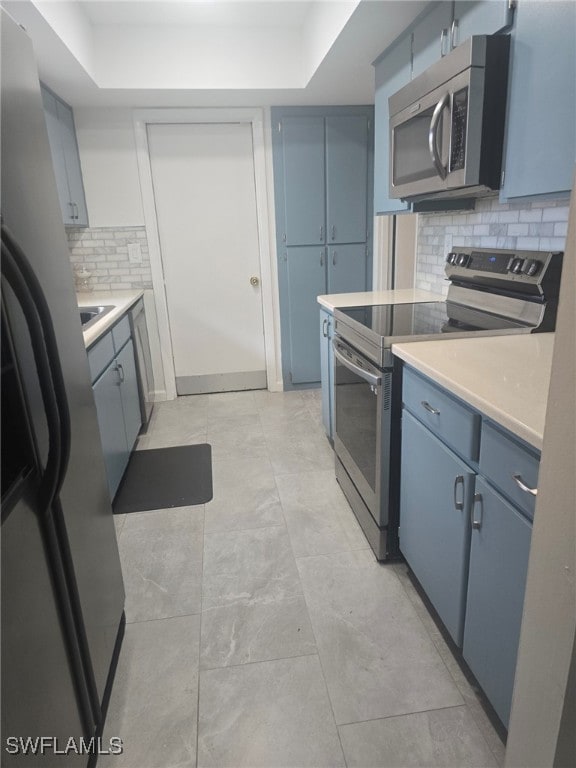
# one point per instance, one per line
(26, 287)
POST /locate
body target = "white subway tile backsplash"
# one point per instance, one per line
(103, 252)
(538, 226)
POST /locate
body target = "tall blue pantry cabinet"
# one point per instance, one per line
(323, 191)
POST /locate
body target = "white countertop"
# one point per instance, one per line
(504, 377)
(333, 301)
(121, 300)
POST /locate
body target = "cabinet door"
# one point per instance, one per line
(392, 72)
(497, 580)
(347, 268)
(481, 17)
(426, 48)
(111, 422)
(347, 147)
(306, 273)
(72, 161)
(304, 186)
(57, 152)
(540, 143)
(130, 395)
(435, 497)
(325, 371)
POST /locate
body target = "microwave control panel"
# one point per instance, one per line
(458, 130)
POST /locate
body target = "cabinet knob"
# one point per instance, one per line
(254, 280)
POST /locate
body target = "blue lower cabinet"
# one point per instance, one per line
(306, 277)
(496, 584)
(347, 268)
(117, 400)
(327, 370)
(436, 496)
(129, 393)
(108, 401)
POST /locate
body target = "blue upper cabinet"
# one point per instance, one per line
(482, 17)
(65, 159)
(430, 38)
(540, 143)
(347, 155)
(304, 184)
(392, 71)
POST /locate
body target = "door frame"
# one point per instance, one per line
(266, 251)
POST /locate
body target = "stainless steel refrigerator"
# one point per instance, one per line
(62, 590)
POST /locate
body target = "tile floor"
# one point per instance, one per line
(261, 631)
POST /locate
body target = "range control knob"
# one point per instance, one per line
(450, 258)
(462, 259)
(532, 267)
(517, 265)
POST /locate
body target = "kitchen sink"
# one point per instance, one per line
(90, 315)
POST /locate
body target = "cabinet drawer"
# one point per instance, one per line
(447, 417)
(100, 355)
(121, 333)
(502, 458)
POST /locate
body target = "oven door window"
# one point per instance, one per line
(357, 420)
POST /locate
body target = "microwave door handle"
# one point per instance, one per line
(433, 135)
(366, 375)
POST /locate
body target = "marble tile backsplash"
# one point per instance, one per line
(528, 226)
(99, 257)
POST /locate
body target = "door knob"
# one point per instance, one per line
(254, 280)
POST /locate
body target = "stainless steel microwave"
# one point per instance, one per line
(447, 125)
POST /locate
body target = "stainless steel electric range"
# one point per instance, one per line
(491, 292)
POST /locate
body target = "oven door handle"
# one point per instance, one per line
(366, 375)
(433, 136)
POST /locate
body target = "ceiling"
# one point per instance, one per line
(142, 53)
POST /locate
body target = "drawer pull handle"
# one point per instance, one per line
(476, 524)
(429, 408)
(325, 327)
(523, 487)
(458, 480)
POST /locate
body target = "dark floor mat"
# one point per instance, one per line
(166, 477)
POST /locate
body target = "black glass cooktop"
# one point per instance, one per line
(394, 321)
(400, 319)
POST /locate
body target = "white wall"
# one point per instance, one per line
(109, 167)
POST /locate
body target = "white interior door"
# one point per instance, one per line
(204, 191)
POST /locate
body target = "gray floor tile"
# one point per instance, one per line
(270, 714)
(275, 408)
(240, 634)
(376, 654)
(238, 437)
(227, 405)
(153, 708)
(249, 567)
(299, 453)
(173, 425)
(161, 555)
(119, 521)
(444, 738)
(311, 501)
(245, 496)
